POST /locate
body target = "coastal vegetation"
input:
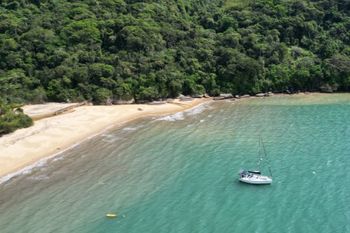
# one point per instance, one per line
(12, 118)
(110, 50)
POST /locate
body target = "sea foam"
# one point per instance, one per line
(196, 110)
(175, 117)
(182, 115)
(39, 164)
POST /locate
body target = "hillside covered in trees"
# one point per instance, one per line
(96, 50)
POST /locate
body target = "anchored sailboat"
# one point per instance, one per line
(255, 176)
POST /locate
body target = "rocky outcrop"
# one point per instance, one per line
(197, 96)
(185, 98)
(326, 88)
(260, 95)
(245, 96)
(218, 98)
(120, 101)
(223, 97)
(226, 96)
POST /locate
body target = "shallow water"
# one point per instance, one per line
(179, 173)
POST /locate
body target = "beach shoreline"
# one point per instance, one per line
(48, 137)
(23, 149)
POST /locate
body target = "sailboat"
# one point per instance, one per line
(255, 176)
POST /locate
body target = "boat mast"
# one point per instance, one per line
(259, 155)
(262, 142)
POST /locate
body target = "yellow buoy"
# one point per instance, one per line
(111, 215)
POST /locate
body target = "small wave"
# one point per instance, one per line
(182, 115)
(39, 164)
(130, 128)
(42, 162)
(58, 158)
(175, 117)
(110, 138)
(196, 110)
(39, 177)
(25, 171)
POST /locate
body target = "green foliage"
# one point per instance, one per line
(109, 50)
(83, 31)
(12, 118)
(102, 96)
(236, 3)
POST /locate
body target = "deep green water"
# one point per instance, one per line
(179, 174)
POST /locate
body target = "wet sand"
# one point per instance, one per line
(55, 134)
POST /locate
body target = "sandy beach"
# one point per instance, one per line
(54, 134)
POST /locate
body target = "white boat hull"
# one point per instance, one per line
(256, 179)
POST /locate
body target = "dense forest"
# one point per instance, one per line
(108, 50)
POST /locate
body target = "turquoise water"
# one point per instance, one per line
(179, 174)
